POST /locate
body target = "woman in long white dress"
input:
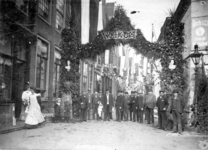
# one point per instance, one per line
(34, 116)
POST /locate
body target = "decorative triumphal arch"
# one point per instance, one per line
(119, 30)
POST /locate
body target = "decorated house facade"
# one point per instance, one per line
(30, 48)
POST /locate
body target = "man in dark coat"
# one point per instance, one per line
(122, 110)
(126, 101)
(131, 104)
(134, 106)
(119, 106)
(100, 97)
(150, 103)
(95, 100)
(84, 106)
(162, 105)
(140, 107)
(108, 104)
(89, 108)
(176, 108)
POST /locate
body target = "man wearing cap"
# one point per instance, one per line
(119, 106)
(126, 106)
(150, 103)
(140, 107)
(108, 104)
(89, 109)
(176, 108)
(95, 100)
(162, 105)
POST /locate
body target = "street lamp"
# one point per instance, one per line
(196, 56)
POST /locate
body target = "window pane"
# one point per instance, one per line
(44, 6)
(5, 78)
(38, 73)
(59, 21)
(42, 48)
(41, 69)
(57, 57)
(85, 70)
(43, 73)
(60, 6)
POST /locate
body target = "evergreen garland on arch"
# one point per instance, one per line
(174, 39)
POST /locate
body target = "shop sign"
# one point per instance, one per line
(107, 35)
(200, 32)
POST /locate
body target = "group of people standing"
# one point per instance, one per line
(132, 107)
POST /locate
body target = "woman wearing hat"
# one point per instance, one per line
(176, 108)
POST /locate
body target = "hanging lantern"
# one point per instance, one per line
(196, 56)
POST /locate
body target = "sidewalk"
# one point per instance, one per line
(10, 128)
(7, 128)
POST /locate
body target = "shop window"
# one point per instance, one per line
(41, 67)
(84, 77)
(56, 75)
(59, 15)
(5, 78)
(206, 59)
(90, 76)
(44, 9)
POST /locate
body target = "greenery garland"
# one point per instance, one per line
(172, 47)
(174, 38)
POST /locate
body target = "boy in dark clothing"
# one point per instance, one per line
(57, 110)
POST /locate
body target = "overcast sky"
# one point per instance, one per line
(151, 12)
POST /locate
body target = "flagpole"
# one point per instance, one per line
(152, 32)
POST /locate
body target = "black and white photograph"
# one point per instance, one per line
(103, 74)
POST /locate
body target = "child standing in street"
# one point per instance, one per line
(57, 110)
(100, 109)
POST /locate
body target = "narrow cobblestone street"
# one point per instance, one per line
(100, 135)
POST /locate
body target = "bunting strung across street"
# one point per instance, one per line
(107, 35)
